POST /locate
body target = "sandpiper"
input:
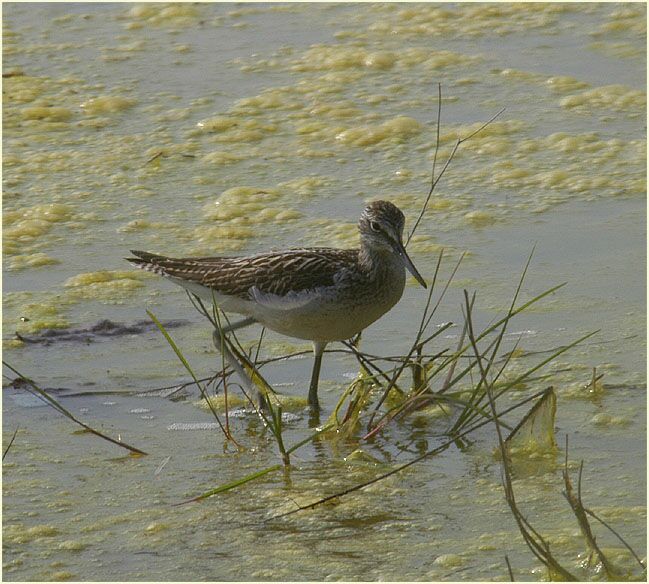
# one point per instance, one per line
(320, 294)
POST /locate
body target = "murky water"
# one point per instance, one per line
(224, 129)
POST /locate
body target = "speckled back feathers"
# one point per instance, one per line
(292, 270)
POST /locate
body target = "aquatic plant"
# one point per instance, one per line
(441, 378)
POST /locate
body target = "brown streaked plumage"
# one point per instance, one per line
(272, 272)
(320, 294)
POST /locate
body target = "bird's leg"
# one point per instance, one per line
(237, 325)
(318, 349)
(218, 337)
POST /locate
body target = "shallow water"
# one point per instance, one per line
(157, 126)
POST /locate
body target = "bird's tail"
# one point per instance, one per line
(147, 261)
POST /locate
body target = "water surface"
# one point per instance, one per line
(200, 129)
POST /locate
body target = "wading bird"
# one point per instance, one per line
(320, 294)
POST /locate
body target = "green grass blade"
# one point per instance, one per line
(180, 356)
(173, 345)
(233, 484)
(301, 443)
(529, 372)
(41, 393)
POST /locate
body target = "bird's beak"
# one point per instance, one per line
(401, 250)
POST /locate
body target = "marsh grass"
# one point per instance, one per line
(467, 383)
(431, 369)
(535, 542)
(538, 545)
(267, 406)
(581, 513)
(344, 422)
(383, 393)
(535, 432)
(467, 408)
(190, 370)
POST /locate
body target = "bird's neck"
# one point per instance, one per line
(379, 263)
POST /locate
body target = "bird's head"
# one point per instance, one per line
(381, 227)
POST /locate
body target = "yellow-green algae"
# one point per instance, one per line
(155, 527)
(521, 165)
(449, 560)
(626, 17)
(605, 420)
(620, 98)
(33, 260)
(620, 50)
(237, 215)
(141, 225)
(24, 226)
(221, 157)
(24, 315)
(396, 130)
(107, 285)
(73, 545)
(106, 104)
(341, 57)
(165, 14)
(305, 186)
(17, 533)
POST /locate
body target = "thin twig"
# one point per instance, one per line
(48, 399)
(434, 180)
(509, 569)
(432, 174)
(154, 157)
(228, 432)
(261, 336)
(577, 507)
(176, 388)
(10, 443)
(412, 348)
(619, 537)
(491, 119)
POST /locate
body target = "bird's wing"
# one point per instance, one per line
(272, 275)
(288, 302)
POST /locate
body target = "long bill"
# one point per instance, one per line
(401, 250)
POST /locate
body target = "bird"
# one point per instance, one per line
(320, 294)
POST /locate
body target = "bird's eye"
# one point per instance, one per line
(375, 226)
